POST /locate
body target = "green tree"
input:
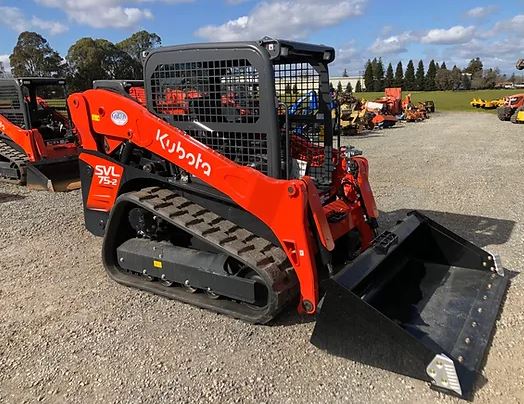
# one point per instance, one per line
(358, 87)
(349, 88)
(465, 82)
(490, 78)
(287, 89)
(96, 59)
(345, 74)
(443, 78)
(419, 76)
(135, 46)
(339, 87)
(409, 77)
(456, 78)
(430, 77)
(443, 66)
(33, 56)
(295, 88)
(378, 75)
(390, 79)
(474, 66)
(368, 76)
(399, 75)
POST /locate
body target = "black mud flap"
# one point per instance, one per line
(421, 302)
(54, 175)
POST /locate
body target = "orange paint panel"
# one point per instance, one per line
(104, 183)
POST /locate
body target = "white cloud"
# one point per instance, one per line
(292, 19)
(454, 35)
(393, 44)
(15, 19)
(481, 12)
(236, 2)
(106, 13)
(53, 27)
(347, 57)
(501, 53)
(4, 59)
(514, 25)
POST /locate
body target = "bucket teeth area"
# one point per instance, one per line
(425, 307)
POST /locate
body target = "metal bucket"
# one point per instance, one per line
(59, 175)
(421, 302)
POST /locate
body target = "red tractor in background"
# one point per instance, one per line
(512, 105)
(38, 146)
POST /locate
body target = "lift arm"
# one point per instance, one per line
(283, 205)
(23, 138)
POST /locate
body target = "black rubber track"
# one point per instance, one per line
(17, 159)
(267, 260)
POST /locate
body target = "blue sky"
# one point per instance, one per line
(445, 30)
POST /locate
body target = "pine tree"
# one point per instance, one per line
(349, 88)
(368, 76)
(443, 66)
(390, 79)
(339, 87)
(399, 75)
(419, 76)
(378, 76)
(295, 88)
(287, 89)
(409, 77)
(430, 77)
(345, 74)
(358, 87)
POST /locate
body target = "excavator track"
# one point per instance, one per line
(268, 261)
(15, 162)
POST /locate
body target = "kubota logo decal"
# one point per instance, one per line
(119, 117)
(179, 150)
(106, 175)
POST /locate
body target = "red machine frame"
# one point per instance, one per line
(120, 119)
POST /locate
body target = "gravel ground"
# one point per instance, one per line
(69, 334)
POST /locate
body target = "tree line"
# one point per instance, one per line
(91, 59)
(436, 77)
(87, 59)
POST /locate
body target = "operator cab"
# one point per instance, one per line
(37, 103)
(264, 104)
(45, 102)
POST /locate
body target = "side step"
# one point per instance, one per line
(421, 302)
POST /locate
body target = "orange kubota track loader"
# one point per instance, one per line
(229, 202)
(37, 144)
